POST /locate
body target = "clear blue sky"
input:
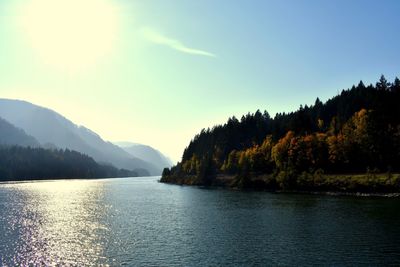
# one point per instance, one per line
(157, 71)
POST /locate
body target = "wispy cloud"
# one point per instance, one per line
(158, 38)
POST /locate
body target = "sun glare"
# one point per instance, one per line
(70, 34)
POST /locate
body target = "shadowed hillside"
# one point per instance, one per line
(26, 163)
(11, 135)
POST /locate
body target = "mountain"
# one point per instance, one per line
(146, 153)
(356, 132)
(11, 135)
(51, 128)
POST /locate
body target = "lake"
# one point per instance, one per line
(140, 222)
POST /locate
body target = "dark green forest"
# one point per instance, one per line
(27, 163)
(349, 143)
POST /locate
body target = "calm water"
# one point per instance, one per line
(139, 222)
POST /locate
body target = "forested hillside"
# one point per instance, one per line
(356, 132)
(26, 163)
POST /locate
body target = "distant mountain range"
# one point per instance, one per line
(26, 124)
(146, 153)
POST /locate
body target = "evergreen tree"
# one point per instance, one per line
(382, 84)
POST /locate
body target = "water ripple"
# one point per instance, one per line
(139, 222)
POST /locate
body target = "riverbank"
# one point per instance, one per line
(363, 185)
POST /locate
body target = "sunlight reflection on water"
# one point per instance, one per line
(140, 222)
(57, 223)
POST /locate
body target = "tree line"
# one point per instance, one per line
(26, 163)
(355, 132)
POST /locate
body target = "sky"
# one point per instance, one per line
(156, 72)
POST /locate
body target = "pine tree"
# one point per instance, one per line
(382, 84)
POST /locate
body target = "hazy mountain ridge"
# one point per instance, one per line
(49, 127)
(146, 153)
(11, 135)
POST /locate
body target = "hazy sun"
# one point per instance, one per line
(70, 34)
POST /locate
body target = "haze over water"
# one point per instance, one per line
(139, 222)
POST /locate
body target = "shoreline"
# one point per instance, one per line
(226, 182)
(69, 179)
(299, 192)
